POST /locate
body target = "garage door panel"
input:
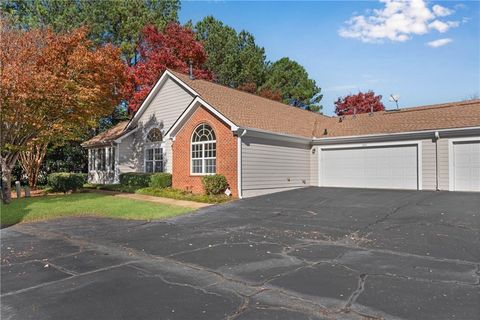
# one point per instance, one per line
(379, 167)
(466, 166)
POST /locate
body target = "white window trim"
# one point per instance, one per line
(203, 158)
(153, 145)
(451, 162)
(379, 144)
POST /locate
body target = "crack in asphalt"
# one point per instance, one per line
(229, 284)
(355, 294)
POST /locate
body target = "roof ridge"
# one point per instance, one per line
(436, 106)
(249, 93)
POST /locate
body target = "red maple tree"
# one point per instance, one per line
(173, 48)
(361, 102)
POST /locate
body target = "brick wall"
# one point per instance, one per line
(226, 153)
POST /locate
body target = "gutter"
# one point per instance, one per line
(426, 134)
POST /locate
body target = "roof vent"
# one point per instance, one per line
(190, 70)
(325, 132)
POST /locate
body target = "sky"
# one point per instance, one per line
(424, 51)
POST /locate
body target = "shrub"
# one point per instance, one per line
(215, 184)
(161, 180)
(65, 181)
(135, 179)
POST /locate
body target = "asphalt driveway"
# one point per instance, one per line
(305, 254)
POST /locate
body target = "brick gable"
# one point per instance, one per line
(226, 153)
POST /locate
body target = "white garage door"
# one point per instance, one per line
(392, 167)
(466, 166)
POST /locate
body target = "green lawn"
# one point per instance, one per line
(84, 204)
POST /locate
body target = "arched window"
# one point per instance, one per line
(204, 150)
(154, 135)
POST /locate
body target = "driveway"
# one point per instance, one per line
(315, 253)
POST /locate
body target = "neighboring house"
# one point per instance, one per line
(195, 127)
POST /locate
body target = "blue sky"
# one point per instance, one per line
(427, 52)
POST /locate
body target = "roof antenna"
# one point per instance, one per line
(394, 97)
(190, 70)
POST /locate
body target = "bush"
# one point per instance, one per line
(135, 179)
(215, 184)
(161, 180)
(65, 181)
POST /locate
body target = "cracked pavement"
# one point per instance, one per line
(314, 253)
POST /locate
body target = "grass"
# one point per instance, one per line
(183, 195)
(84, 204)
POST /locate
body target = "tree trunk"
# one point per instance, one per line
(31, 162)
(8, 162)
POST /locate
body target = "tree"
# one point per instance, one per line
(174, 48)
(234, 59)
(292, 81)
(118, 22)
(50, 85)
(359, 103)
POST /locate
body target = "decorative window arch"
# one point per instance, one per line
(154, 135)
(154, 161)
(203, 150)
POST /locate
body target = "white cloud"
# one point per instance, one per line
(440, 11)
(439, 42)
(398, 21)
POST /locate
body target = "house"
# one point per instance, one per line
(191, 127)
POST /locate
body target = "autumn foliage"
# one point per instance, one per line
(50, 85)
(173, 48)
(359, 103)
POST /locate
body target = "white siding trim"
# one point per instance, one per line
(383, 144)
(451, 169)
(239, 166)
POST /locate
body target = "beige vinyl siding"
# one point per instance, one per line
(128, 155)
(429, 166)
(169, 103)
(314, 166)
(443, 164)
(272, 166)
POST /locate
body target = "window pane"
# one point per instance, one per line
(149, 154)
(158, 166)
(149, 166)
(210, 166)
(112, 158)
(197, 151)
(158, 154)
(197, 166)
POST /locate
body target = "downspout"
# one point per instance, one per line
(239, 163)
(436, 138)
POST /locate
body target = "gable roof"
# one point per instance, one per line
(251, 111)
(433, 117)
(108, 136)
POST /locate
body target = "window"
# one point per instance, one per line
(204, 150)
(112, 158)
(154, 135)
(101, 161)
(154, 160)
